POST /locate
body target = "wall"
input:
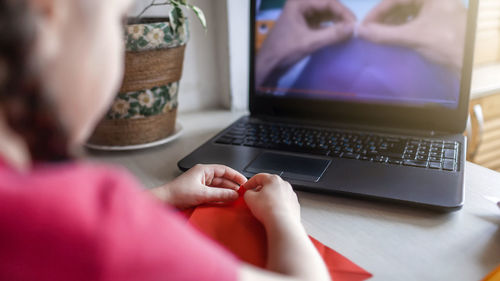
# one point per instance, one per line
(238, 28)
(488, 33)
(205, 82)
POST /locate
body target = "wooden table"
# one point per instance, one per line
(393, 242)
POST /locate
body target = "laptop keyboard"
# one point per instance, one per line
(395, 150)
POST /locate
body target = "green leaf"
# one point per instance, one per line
(178, 2)
(176, 17)
(200, 15)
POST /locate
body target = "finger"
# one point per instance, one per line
(224, 183)
(386, 34)
(213, 194)
(329, 36)
(261, 180)
(221, 171)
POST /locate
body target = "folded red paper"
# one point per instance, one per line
(234, 227)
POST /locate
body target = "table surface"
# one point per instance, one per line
(391, 241)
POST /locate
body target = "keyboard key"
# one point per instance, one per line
(412, 147)
(435, 159)
(423, 148)
(225, 140)
(421, 158)
(449, 154)
(235, 134)
(436, 146)
(393, 155)
(415, 163)
(450, 145)
(349, 155)
(395, 161)
(435, 165)
(449, 165)
(435, 154)
(435, 150)
(238, 142)
(409, 156)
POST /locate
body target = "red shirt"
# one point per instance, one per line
(93, 223)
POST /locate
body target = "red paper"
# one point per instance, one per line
(234, 227)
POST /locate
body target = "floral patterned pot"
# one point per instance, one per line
(145, 109)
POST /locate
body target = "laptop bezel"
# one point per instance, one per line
(438, 119)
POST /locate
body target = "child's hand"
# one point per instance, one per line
(272, 200)
(202, 184)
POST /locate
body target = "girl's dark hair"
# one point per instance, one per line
(26, 109)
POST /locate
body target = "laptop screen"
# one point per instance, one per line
(395, 52)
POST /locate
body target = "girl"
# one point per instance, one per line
(60, 219)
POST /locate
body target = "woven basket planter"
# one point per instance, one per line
(145, 109)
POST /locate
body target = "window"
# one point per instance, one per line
(488, 33)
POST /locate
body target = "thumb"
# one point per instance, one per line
(214, 194)
(251, 196)
(387, 34)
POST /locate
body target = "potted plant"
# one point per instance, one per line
(145, 109)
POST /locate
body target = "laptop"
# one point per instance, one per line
(361, 98)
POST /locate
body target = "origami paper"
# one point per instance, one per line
(494, 275)
(234, 227)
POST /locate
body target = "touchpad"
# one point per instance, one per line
(289, 166)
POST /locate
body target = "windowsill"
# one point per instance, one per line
(485, 80)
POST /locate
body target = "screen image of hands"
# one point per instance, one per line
(434, 29)
(295, 36)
